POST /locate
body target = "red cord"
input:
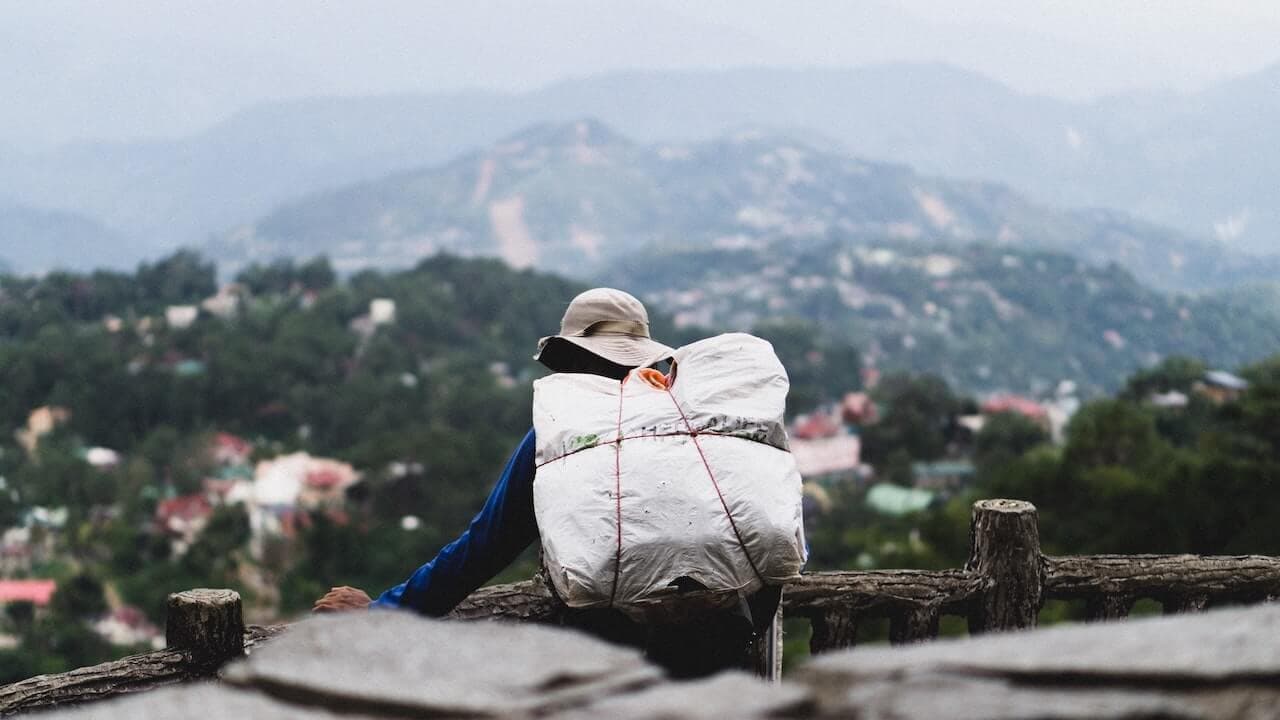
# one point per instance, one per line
(617, 493)
(694, 436)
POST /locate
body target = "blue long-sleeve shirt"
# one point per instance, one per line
(503, 528)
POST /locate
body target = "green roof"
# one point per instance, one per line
(942, 469)
(895, 500)
(189, 368)
(235, 472)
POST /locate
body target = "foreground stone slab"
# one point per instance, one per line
(935, 695)
(1221, 664)
(202, 701)
(394, 663)
(728, 695)
(1214, 646)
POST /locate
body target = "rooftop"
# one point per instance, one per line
(38, 592)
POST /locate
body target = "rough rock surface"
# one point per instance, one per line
(393, 662)
(1204, 647)
(727, 695)
(1220, 664)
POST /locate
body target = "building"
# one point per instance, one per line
(129, 626)
(228, 449)
(183, 519)
(101, 457)
(1221, 387)
(180, 317)
(16, 551)
(1026, 407)
(286, 486)
(815, 426)
(943, 475)
(36, 592)
(40, 422)
(858, 409)
(1170, 400)
(896, 501)
(837, 458)
(382, 311)
(47, 518)
(226, 303)
(824, 449)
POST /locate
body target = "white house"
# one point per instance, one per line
(181, 317)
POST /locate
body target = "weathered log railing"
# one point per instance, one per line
(1002, 587)
(204, 629)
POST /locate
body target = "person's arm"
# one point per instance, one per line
(503, 528)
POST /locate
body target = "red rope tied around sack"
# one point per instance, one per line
(617, 493)
(693, 434)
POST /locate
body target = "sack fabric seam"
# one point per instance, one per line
(617, 494)
(641, 436)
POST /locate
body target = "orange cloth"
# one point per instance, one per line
(654, 379)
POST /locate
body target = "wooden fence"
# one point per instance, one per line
(1002, 587)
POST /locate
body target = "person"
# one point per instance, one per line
(603, 332)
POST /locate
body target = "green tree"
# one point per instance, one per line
(181, 278)
(919, 418)
(1111, 433)
(1005, 437)
(1173, 373)
(78, 599)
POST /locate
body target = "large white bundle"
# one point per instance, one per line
(621, 521)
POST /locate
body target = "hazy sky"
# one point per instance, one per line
(75, 69)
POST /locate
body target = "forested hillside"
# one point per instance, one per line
(573, 197)
(116, 401)
(984, 317)
(123, 398)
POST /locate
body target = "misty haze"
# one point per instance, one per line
(272, 276)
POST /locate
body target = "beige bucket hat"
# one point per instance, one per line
(612, 324)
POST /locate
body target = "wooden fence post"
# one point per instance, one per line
(1106, 607)
(1004, 549)
(913, 625)
(1185, 604)
(833, 629)
(207, 623)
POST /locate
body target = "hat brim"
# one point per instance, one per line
(625, 350)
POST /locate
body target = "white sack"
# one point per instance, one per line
(732, 390)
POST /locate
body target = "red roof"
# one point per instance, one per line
(857, 409)
(231, 443)
(323, 479)
(38, 592)
(1015, 404)
(187, 507)
(131, 616)
(817, 425)
(826, 456)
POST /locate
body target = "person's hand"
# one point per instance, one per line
(342, 598)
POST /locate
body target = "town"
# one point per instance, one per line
(188, 449)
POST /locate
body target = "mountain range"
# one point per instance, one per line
(32, 237)
(1199, 162)
(964, 279)
(577, 197)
